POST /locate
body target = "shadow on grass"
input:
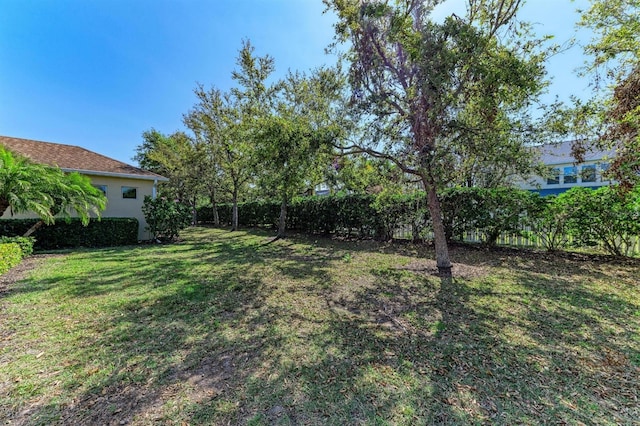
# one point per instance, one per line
(226, 330)
(191, 319)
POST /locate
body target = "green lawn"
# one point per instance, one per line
(226, 329)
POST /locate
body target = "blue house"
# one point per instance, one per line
(565, 173)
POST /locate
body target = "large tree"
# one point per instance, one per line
(222, 122)
(47, 191)
(432, 91)
(615, 52)
(215, 121)
(152, 140)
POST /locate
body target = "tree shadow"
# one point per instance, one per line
(273, 336)
(183, 339)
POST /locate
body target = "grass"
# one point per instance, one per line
(226, 329)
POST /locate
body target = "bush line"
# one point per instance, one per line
(107, 232)
(579, 217)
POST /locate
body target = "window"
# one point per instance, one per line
(101, 188)
(570, 175)
(588, 173)
(129, 192)
(604, 168)
(554, 177)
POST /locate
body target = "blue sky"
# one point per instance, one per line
(98, 73)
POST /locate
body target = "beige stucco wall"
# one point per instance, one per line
(126, 207)
(116, 205)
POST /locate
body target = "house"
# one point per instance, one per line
(125, 186)
(565, 173)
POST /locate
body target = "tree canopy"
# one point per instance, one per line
(297, 136)
(222, 123)
(436, 94)
(615, 65)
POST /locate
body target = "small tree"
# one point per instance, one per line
(216, 121)
(179, 158)
(46, 191)
(165, 218)
(222, 123)
(23, 186)
(296, 137)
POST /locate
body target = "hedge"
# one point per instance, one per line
(581, 215)
(346, 214)
(25, 243)
(491, 212)
(602, 217)
(106, 232)
(465, 209)
(10, 256)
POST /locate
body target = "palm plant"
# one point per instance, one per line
(23, 186)
(46, 191)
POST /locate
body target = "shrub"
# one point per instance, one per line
(340, 214)
(107, 232)
(549, 222)
(25, 243)
(492, 212)
(503, 210)
(10, 256)
(603, 216)
(165, 218)
(458, 212)
(394, 211)
(257, 213)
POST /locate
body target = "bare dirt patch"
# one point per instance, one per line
(458, 270)
(19, 272)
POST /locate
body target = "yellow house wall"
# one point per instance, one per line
(116, 205)
(126, 207)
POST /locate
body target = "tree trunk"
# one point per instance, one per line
(4, 205)
(194, 218)
(214, 204)
(234, 211)
(216, 216)
(34, 228)
(439, 236)
(282, 222)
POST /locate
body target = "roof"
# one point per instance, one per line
(560, 153)
(74, 158)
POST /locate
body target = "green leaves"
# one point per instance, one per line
(616, 24)
(295, 139)
(107, 232)
(165, 218)
(10, 255)
(491, 212)
(23, 186)
(73, 193)
(603, 216)
(46, 191)
(616, 51)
